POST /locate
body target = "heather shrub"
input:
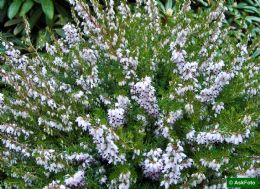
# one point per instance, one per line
(127, 101)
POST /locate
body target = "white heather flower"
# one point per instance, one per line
(105, 139)
(144, 95)
(71, 34)
(198, 178)
(83, 158)
(77, 180)
(122, 102)
(189, 108)
(1, 98)
(44, 71)
(178, 56)
(190, 135)
(83, 123)
(89, 55)
(215, 14)
(116, 117)
(184, 89)
(213, 164)
(122, 182)
(174, 161)
(153, 164)
(234, 139)
(188, 70)
(50, 49)
(205, 137)
(246, 120)
(55, 184)
(162, 129)
(217, 107)
(78, 95)
(181, 38)
(174, 116)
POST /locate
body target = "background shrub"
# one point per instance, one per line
(40, 14)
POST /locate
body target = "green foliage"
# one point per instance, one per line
(244, 15)
(14, 8)
(26, 7)
(40, 13)
(48, 9)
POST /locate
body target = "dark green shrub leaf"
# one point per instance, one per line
(250, 2)
(169, 4)
(18, 28)
(35, 17)
(252, 18)
(2, 3)
(203, 3)
(60, 32)
(256, 53)
(241, 5)
(26, 7)
(12, 22)
(48, 9)
(14, 8)
(246, 8)
(61, 10)
(2, 15)
(161, 5)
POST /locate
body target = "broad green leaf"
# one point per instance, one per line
(49, 22)
(18, 28)
(13, 22)
(250, 2)
(35, 17)
(26, 7)
(161, 5)
(241, 5)
(203, 3)
(61, 10)
(256, 53)
(252, 18)
(2, 4)
(3, 13)
(48, 9)
(60, 32)
(245, 7)
(14, 8)
(169, 4)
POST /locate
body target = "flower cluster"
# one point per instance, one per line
(116, 117)
(77, 180)
(168, 164)
(144, 94)
(71, 33)
(216, 136)
(153, 163)
(105, 138)
(213, 164)
(122, 182)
